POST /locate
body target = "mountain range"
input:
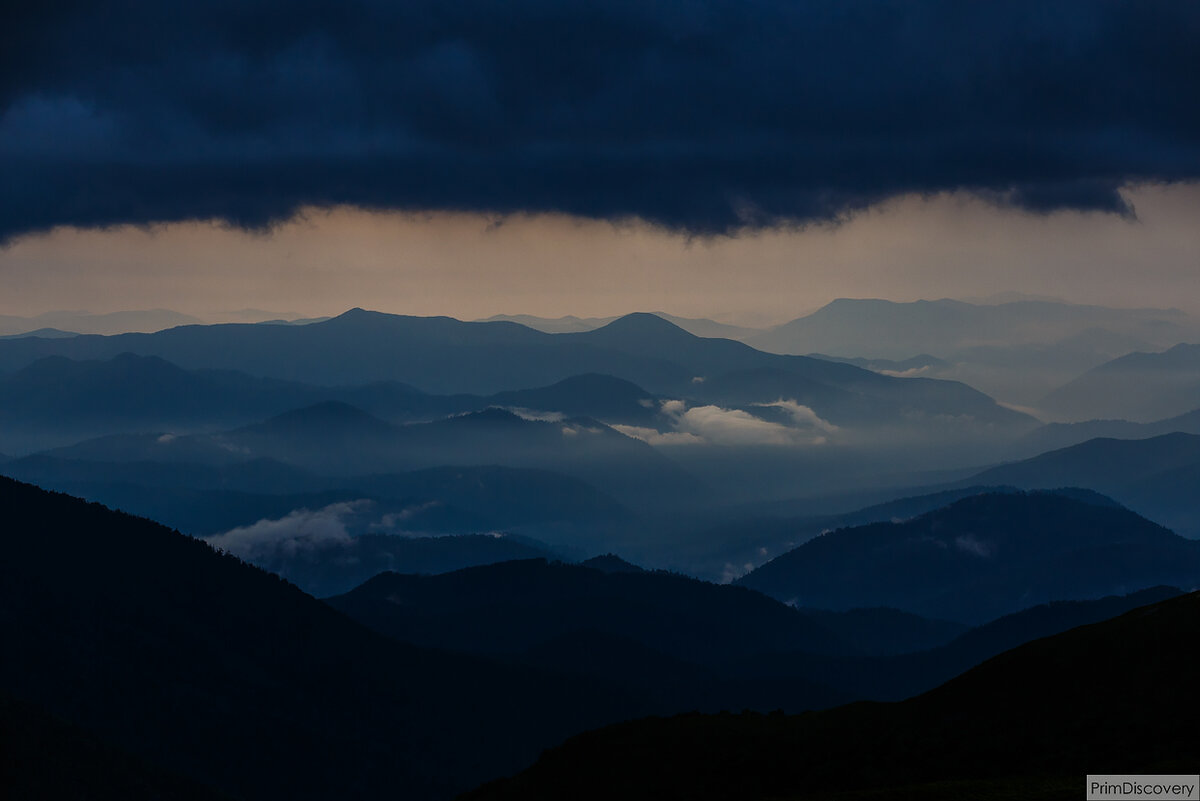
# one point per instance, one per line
(442, 355)
(1020, 352)
(982, 557)
(875, 328)
(1156, 477)
(1141, 387)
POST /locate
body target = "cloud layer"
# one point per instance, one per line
(714, 425)
(701, 116)
(300, 531)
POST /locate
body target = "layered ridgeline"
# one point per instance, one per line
(1157, 477)
(1015, 351)
(443, 355)
(700, 326)
(670, 637)
(57, 401)
(183, 661)
(1141, 387)
(157, 645)
(328, 534)
(748, 426)
(336, 439)
(692, 645)
(1030, 723)
(1063, 435)
(887, 329)
(982, 557)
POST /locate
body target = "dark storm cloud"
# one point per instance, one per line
(702, 116)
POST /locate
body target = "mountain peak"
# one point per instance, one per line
(611, 563)
(643, 324)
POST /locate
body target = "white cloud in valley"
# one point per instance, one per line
(715, 425)
(299, 531)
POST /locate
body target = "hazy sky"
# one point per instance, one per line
(733, 130)
(468, 266)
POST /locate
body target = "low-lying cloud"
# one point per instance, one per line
(300, 531)
(714, 425)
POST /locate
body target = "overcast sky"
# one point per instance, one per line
(551, 157)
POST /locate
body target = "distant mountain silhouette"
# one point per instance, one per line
(550, 325)
(1015, 351)
(227, 675)
(1155, 476)
(1026, 724)
(442, 355)
(45, 333)
(56, 401)
(873, 328)
(337, 439)
(982, 557)
(922, 364)
(1063, 435)
(701, 327)
(85, 323)
(1142, 387)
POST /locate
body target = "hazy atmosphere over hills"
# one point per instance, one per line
(621, 400)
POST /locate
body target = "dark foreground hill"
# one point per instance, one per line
(1114, 697)
(515, 606)
(670, 636)
(44, 759)
(982, 557)
(222, 673)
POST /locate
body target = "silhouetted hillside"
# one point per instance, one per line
(224, 673)
(44, 759)
(671, 638)
(610, 563)
(881, 631)
(900, 674)
(1030, 723)
(512, 607)
(982, 557)
(338, 566)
